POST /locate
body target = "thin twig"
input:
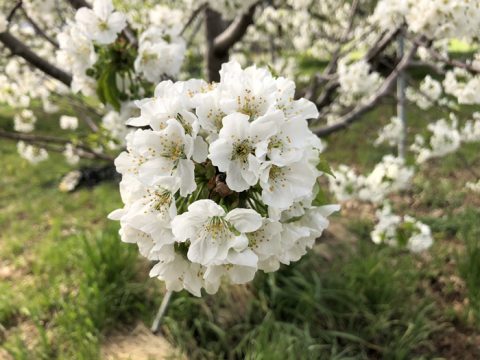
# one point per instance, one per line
(46, 141)
(38, 29)
(193, 16)
(384, 90)
(161, 311)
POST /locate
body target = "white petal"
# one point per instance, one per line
(200, 150)
(244, 220)
(186, 172)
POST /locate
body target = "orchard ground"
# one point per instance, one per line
(69, 289)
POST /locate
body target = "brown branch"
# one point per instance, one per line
(77, 4)
(38, 29)
(14, 10)
(333, 63)
(46, 141)
(193, 16)
(20, 49)
(451, 62)
(383, 91)
(380, 45)
(234, 32)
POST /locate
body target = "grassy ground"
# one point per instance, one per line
(67, 283)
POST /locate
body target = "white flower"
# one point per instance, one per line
(473, 186)
(76, 51)
(300, 235)
(266, 244)
(392, 133)
(282, 186)
(169, 153)
(250, 91)
(70, 181)
(160, 53)
(179, 274)
(32, 153)
(212, 232)
(68, 122)
(234, 150)
(170, 101)
(445, 139)
(102, 23)
(3, 23)
(390, 175)
(71, 154)
(24, 121)
(405, 231)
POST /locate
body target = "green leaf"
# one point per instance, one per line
(324, 167)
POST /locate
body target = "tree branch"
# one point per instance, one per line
(193, 16)
(77, 4)
(38, 30)
(47, 141)
(20, 49)
(234, 32)
(384, 90)
(14, 10)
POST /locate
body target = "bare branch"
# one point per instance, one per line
(14, 10)
(384, 90)
(193, 16)
(451, 62)
(38, 29)
(47, 142)
(234, 32)
(20, 49)
(77, 4)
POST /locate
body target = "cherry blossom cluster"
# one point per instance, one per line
(433, 18)
(357, 81)
(389, 176)
(464, 86)
(445, 137)
(221, 179)
(401, 231)
(99, 25)
(428, 94)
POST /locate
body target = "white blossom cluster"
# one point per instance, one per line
(357, 81)
(473, 186)
(471, 130)
(99, 25)
(161, 52)
(390, 175)
(391, 133)
(114, 122)
(445, 138)
(24, 121)
(224, 180)
(31, 153)
(464, 86)
(398, 231)
(433, 18)
(430, 91)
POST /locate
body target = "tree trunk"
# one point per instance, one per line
(214, 26)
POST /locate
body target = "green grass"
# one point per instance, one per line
(360, 306)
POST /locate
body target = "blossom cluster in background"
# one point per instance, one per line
(224, 181)
(398, 231)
